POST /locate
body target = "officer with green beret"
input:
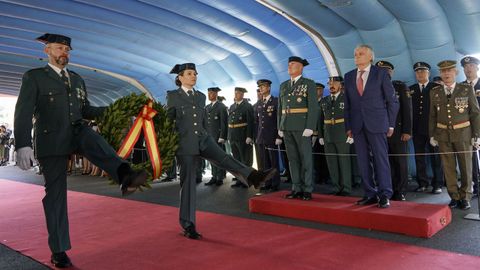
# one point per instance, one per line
(297, 119)
(402, 133)
(470, 68)
(455, 127)
(56, 98)
(331, 133)
(240, 130)
(217, 127)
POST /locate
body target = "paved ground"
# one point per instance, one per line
(461, 236)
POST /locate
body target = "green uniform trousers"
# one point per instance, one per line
(464, 192)
(299, 152)
(340, 167)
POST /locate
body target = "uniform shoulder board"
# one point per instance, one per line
(309, 80)
(71, 71)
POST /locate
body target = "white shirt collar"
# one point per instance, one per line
(186, 89)
(239, 102)
(58, 70)
(296, 78)
(367, 69)
(424, 84)
(213, 102)
(474, 82)
(336, 95)
(267, 98)
(452, 86)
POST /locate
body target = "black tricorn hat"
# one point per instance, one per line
(214, 89)
(385, 64)
(241, 89)
(55, 38)
(336, 78)
(263, 81)
(304, 62)
(181, 67)
(319, 85)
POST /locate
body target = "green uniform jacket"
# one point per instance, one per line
(55, 108)
(331, 123)
(217, 120)
(240, 115)
(190, 119)
(299, 97)
(461, 108)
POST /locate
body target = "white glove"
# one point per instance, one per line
(476, 142)
(321, 141)
(433, 142)
(278, 141)
(24, 157)
(280, 133)
(314, 138)
(307, 132)
(249, 140)
(349, 140)
(221, 140)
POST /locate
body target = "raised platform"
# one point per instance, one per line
(414, 219)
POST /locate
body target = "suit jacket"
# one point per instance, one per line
(302, 95)
(217, 120)
(403, 124)
(238, 115)
(461, 107)
(56, 108)
(329, 113)
(190, 119)
(420, 108)
(376, 110)
(266, 118)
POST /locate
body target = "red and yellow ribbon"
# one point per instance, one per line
(144, 121)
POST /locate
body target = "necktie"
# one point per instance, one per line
(65, 79)
(360, 83)
(293, 82)
(449, 92)
(422, 88)
(264, 100)
(333, 99)
(190, 93)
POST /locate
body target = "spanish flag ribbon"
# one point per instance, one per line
(144, 121)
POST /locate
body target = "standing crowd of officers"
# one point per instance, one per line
(301, 119)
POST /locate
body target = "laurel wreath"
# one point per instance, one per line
(117, 119)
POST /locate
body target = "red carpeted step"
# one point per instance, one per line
(415, 219)
(110, 233)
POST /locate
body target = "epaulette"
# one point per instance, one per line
(71, 71)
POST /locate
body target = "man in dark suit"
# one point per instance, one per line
(217, 127)
(297, 118)
(240, 130)
(470, 68)
(398, 142)
(57, 99)
(421, 140)
(267, 133)
(186, 107)
(370, 113)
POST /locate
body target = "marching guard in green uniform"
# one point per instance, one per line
(56, 98)
(331, 134)
(455, 127)
(297, 118)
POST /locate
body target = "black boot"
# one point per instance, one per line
(257, 178)
(60, 260)
(130, 180)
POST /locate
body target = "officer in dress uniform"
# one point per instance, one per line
(320, 168)
(186, 107)
(420, 93)
(256, 106)
(217, 127)
(297, 118)
(267, 133)
(240, 130)
(57, 99)
(455, 127)
(470, 68)
(331, 134)
(402, 132)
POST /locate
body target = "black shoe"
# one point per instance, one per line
(132, 181)
(294, 195)
(437, 190)
(421, 189)
(273, 189)
(257, 178)
(191, 233)
(167, 179)
(60, 260)
(237, 184)
(398, 197)
(307, 196)
(343, 193)
(367, 201)
(212, 181)
(384, 202)
(454, 204)
(464, 205)
(219, 182)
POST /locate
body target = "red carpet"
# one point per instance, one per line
(415, 219)
(100, 239)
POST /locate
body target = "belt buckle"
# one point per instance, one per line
(450, 127)
(287, 110)
(333, 121)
